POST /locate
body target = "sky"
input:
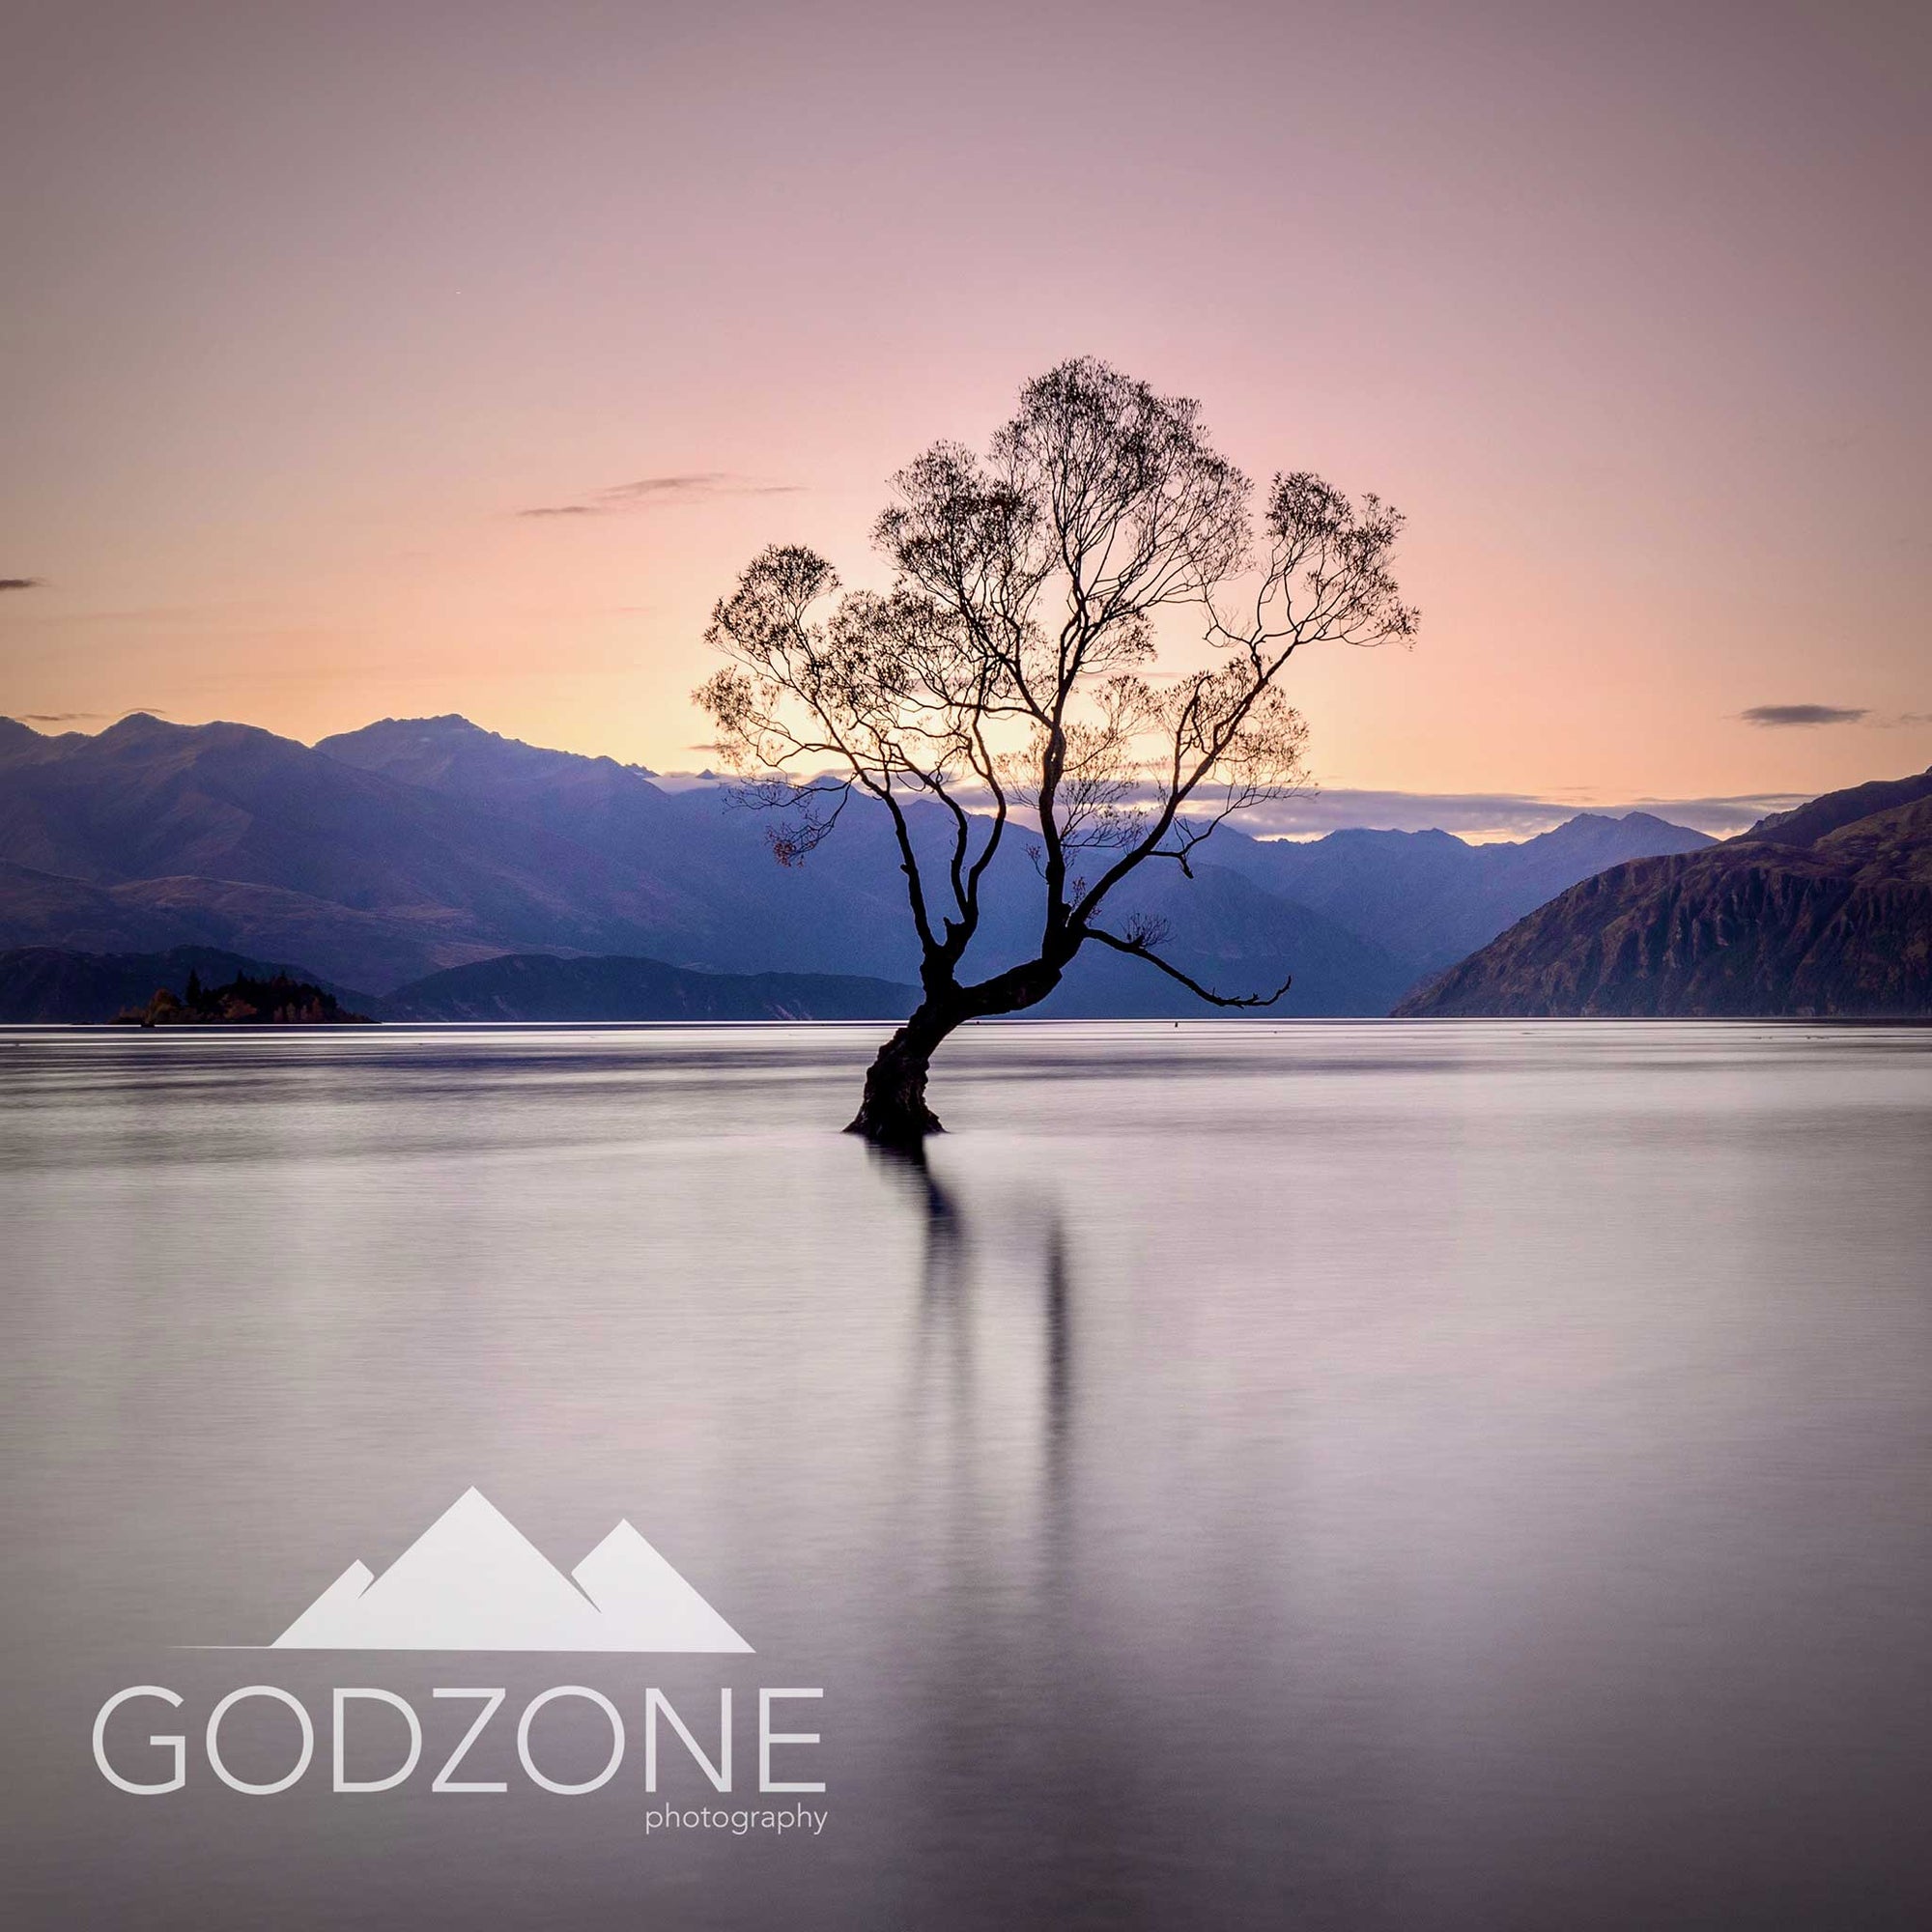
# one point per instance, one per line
(307, 309)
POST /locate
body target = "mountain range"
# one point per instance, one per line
(381, 858)
(1823, 911)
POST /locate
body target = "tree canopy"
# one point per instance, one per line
(1081, 646)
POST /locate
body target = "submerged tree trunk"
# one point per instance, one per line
(894, 1112)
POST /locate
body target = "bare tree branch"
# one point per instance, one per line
(1134, 950)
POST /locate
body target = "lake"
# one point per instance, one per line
(1357, 1475)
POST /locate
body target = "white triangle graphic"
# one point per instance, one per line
(473, 1580)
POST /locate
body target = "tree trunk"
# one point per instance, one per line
(894, 1112)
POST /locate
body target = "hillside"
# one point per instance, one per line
(738, 910)
(1823, 911)
(1429, 898)
(539, 986)
(44, 985)
(179, 830)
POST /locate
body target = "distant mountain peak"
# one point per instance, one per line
(144, 723)
(445, 725)
(1380, 835)
(1597, 822)
(453, 721)
(1630, 834)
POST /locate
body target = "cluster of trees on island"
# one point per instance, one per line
(244, 1001)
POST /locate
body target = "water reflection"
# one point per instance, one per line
(946, 1326)
(1058, 1281)
(945, 1315)
(1408, 1479)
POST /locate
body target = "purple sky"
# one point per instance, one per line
(1625, 305)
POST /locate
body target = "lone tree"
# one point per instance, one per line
(1009, 679)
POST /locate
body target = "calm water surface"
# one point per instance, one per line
(1344, 1475)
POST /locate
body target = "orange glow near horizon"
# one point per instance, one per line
(1623, 314)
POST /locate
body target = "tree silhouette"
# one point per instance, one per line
(1012, 676)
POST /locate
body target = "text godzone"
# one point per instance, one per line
(174, 1745)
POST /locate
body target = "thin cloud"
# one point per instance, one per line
(20, 583)
(702, 483)
(649, 492)
(1803, 714)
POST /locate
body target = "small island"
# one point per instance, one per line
(245, 1001)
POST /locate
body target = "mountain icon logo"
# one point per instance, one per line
(473, 1580)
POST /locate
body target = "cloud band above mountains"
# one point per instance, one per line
(1475, 816)
(1482, 815)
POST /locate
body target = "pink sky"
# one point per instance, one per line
(1624, 305)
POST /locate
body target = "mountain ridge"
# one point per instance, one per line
(1823, 912)
(1429, 897)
